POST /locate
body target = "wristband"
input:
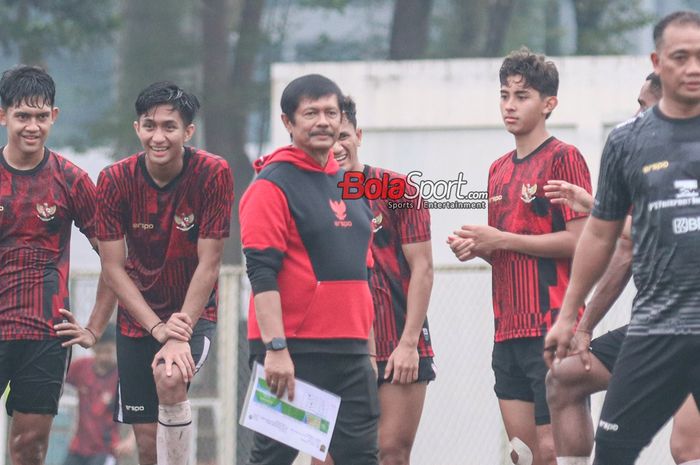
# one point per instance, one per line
(150, 331)
(94, 336)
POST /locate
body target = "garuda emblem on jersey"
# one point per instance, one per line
(339, 209)
(45, 212)
(377, 223)
(528, 193)
(184, 222)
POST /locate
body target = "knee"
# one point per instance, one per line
(171, 389)
(146, 445)
(560, 390)
(29, 447)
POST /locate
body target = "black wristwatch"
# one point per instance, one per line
(277, 343)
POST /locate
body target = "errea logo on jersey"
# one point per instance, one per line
(135, 408)
(142, 225)
(340, 211)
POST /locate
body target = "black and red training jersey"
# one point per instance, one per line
(37, 209)
(162, 226)
(528, 291)
(394, 227)
(302, 239)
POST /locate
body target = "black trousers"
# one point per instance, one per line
(354, 440)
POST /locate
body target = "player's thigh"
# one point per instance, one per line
(37, 374)
(685, 435)
(401, 407)
(137, 398)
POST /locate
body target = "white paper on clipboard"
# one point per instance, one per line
(305, 424)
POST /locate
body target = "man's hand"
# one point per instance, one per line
(71, 329)
(485, 238)
(403, 361)
(557, 342)
(179, 326)
(279, 372)
(581, 344)
(462, 248)
(177, 353)
(571, 195)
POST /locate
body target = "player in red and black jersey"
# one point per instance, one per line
(400, 282)
(163, 216)
(529, 242)
(96, 440)
(41, 195)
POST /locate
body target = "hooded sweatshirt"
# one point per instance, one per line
(302, 239)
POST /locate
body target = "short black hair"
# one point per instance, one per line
(538, 73)
(167, 93)
(312, 86)
(350, 110)
(677, 17)
(654, 84)
(26, 84)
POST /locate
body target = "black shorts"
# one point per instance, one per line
(137, 398)
(426, 371)
(98, 459)
(607, 347)
(652, 377)
(35, 371)
(354, 440)
(520, 370)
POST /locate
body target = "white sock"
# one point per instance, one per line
(572, 460)
(174, 432)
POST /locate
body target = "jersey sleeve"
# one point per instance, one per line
(414, 224)
(265, 219)
(83, 201)
(572, 168)
(218, 202)
(612, 201)
(110, 224)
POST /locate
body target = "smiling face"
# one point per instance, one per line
(522, 107)
(28, 127)
(345, 149)
(163, 135)
(314, 128)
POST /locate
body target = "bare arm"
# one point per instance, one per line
(560, 244)
(404, 359)
(204, 277)
(105, 301)
(610, 286)
(279, 368)
(592, 255)
(113, 256)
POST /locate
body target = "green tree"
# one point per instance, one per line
(601, 25)
(36, 28)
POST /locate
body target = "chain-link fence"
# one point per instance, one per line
(461, 422)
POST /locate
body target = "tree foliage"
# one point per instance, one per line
(36, 28)
(602, 25)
